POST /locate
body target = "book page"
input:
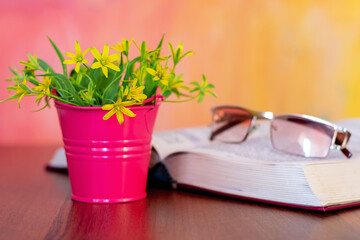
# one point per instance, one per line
(336, 183)
(181, 140)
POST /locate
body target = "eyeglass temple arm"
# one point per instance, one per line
(341, 140)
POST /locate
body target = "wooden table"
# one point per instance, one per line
(36, 204)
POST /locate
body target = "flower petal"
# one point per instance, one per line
(114, 57)
(77, 67)
(113, 67)
(127, 111)
(151, 71)
(69, 61)
(77, 48)
(96, 65)
(139, 89)
(70, 55)
(166, 76)
(107, 106)
(109, 114)
(120, 117)
(158, 68)
(105, 71)
(164, 81)
(85, 52)
(115, 46)
(105, 51)
(139, 97)
(22, 95)
(128, 103)
(96, 53)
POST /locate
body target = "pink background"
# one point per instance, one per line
(298, 56)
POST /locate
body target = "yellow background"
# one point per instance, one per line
(281, 56)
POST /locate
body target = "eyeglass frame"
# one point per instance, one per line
(341, 146)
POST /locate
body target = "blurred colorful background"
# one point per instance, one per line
(281, 56)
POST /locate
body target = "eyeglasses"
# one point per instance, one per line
(297, 134)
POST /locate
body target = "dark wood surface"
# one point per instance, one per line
(36, 204)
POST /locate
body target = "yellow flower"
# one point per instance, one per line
(122, 47)
(119, 109)
(43, 88)
(31, 65)
(104, 60)
(136, 93)
(175, 85)
(20, 90)
(159, 74)
(77, 58)
(84, 95)
(119, 47)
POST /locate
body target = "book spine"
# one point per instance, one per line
(159, 176)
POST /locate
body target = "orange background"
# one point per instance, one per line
(282, 56)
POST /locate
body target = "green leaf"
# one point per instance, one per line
(45, 66)
(14, 72)
(172, 49)
(178, 52)
(130, 68)
(160, 45)
(64, 81)
(195, 83)
(204, 79)
(11, 88)
(33, 81)
(111, 91)
(42, 108)
(12, 97)
(79, 78)
(24, 87)
(166, 93)
(161, 41)
(212, 93)
(143, 49)
(150, 86)
(26, 64)
(61, 57)
(194, 90)
(201, 97)
(32, 60)
(186, 54)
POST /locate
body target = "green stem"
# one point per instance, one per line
(89, 71)
(181, 101)
(58, 98)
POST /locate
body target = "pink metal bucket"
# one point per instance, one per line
(107, 162)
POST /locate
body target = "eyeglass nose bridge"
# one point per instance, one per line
(257, 115)
(263, 115)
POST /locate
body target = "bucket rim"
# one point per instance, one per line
(62, 105)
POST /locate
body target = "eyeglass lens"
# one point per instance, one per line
(300, 136)
(230, 124)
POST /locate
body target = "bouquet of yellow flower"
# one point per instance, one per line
(113, 81)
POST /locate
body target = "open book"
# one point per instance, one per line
(254, 170)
